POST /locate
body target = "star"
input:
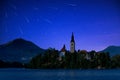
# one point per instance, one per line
(54, 8)
(6, 15)
(20, 29)
(37, 19)
(27, 20)
(69, 4)
(15, 14)
(6, 30)
(47, 20)
(36, 8)
(13, 6)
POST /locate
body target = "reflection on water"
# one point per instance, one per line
(27, 74)
(61, 73)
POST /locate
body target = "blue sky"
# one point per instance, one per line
(50, 23)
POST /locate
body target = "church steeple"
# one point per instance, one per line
(64, 48)
(72, 38)
(72, 44)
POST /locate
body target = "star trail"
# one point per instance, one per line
(50, 23)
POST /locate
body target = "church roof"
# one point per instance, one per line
(63, 49)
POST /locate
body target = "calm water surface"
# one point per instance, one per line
(31, 74)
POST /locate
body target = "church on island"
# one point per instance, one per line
(72, 49)
(72, 46)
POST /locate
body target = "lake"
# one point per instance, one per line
(47, 74)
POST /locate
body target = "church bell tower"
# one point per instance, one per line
(72, 44)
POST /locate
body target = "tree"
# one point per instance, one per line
(115, 61)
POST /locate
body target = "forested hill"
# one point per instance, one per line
(19, 50)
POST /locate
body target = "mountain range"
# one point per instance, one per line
(21, 50)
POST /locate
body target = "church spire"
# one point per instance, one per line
(72, 44)
(72, 38)
(64, 48)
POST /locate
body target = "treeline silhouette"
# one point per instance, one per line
(4, 64)
(78, 60)
(51, 59)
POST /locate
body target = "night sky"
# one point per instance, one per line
(50, 23)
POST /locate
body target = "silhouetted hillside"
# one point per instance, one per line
(113, 50)
(19, 50)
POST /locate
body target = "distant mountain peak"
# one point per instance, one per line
(112, 46)
(20, 40)
(16, 42)
(16, 49)
(113, 50)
